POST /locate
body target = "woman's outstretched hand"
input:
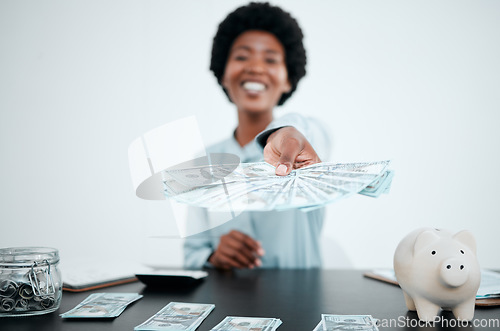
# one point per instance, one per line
(288, 149)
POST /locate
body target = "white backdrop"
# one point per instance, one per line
(412, 81)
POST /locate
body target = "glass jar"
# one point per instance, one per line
(30, 281)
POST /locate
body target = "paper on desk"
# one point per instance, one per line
(489, 287)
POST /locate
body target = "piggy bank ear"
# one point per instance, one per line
(466, 238)
(424, 239)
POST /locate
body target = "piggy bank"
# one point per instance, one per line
(437, 269)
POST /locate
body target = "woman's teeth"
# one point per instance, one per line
(254, 86)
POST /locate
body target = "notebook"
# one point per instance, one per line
(487, 295)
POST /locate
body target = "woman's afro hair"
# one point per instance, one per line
(261, 16)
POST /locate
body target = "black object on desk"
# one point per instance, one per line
(297, 297)
(172, 279)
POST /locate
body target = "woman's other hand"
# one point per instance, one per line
(237, 250)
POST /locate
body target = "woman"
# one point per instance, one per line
(258, 58)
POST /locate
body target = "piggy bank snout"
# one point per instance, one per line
(454, 272)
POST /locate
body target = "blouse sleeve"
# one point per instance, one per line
(314, 131)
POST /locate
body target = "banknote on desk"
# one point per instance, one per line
(346, 322)
(102, 305)
(237, 323)
(177, 316)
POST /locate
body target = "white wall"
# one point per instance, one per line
(412, 81)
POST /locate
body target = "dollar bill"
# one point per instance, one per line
(348, 322)
(255, 186)
(256, 170)
(236, 323)
(380, 186)
(319, 327)
(178, 316)
(102, 305)
(212, 174)
(257, 198)
(199, 176)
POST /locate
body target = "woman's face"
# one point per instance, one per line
(255, 76)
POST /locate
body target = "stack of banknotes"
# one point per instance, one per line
(102, 305)
(255, 187)
(236, 323)
(346, 322)
(188, 316)
(178, 316)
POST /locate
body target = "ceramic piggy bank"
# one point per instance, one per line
(437, 269)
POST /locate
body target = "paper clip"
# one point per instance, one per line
(49, 283)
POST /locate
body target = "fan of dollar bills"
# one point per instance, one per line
(255, 187)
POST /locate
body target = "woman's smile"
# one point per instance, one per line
(256, 74)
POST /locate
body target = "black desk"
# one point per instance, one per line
(297, 297)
